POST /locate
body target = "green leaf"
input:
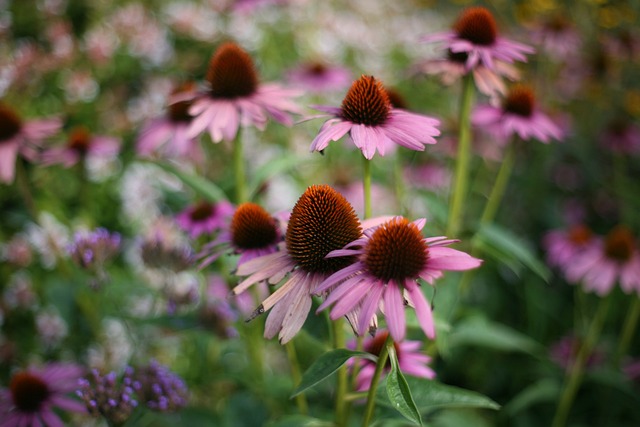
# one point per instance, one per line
(481, 332)
(399, 392)
(508, 248)
(546, 390)
(430, 395)
(326, 365)
(203, 187)
(299, 421)
(271, 169)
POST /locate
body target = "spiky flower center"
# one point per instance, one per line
(375, 346)
(477, 25)
(520, 101)
(321, 221)
(79, 140)
(619, 244)
(252, 227)
(396, 251)
(10, 123)
(580, 235)
(366, 102)
(231, 73)
(28, 391)
(202, 211)
(179, 111)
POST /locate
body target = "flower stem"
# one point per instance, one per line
(500, 184)
(366, 183)
(574, 379)
(339, 341)
(22, 181)
(462, 160)
(238, 170)
(371, 396)
(301, 400)
(628, 330)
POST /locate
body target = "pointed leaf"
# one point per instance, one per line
(200, 185)
(507, 247)
(326, 365)
(545, 390)
(399, 392)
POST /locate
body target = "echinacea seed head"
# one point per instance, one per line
(231, 73)
(28, 391)
(477, 25)
(520, 101)
(366, 102)
(619, 244)
(252, 227)
(321, 221)
(10, 123)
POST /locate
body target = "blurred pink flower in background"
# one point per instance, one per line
(563, 246)
(20, 138)
(564, 353)
(318, 77)
(205, 218)
(621, 136)
(81, 144)
(557, 37)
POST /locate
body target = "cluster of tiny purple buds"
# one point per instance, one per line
(160, 389)
(91, 250)
(104, 396)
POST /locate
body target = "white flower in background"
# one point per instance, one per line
(49, 238)
(115, 350)
(19, 292)
(51, 327)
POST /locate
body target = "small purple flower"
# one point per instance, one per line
(21, 138)
(252, 233)
(384, 266)
(91, 250)
(372, 123)
(160, 389)
(81, 145)
(410, 359)
(319, 78)
(475, 34)
(205, 218)
(34, 392)
(235, 97)
(518, 115)
(104, 395)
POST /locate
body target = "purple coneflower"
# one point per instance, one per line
(475, 34)
(372, 123)
(20, 138)
(235, 97)
(411, 361)
(518, 115)
(605, 261)
(557, 37)
(252, 233)
(169, 133)
(205, 217)
(321, 221)
(34, 392)
(563, 246)
(80, 145)
(389, 260)
(319, 78)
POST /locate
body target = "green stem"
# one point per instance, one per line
(238, 170)
(628, 330)
(22, 181)
(301, 400)
(371, 395)
(462, 160)
(398, 173)
(575, 375)
(500, 184)
(339, 341)
(366, 183)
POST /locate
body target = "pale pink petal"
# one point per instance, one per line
(394, 311)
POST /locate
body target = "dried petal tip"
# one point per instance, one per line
(321, 221)
(10, 123)
(520, 101)
(252, 227)
(396, 251)
(477, 25)
(619, 244)
(28, 391)
(231, 73)
(366, 102)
